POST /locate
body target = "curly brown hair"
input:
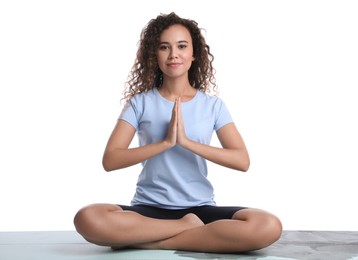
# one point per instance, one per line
(146, 74)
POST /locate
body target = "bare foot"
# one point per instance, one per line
(189, 221)
(192, 220)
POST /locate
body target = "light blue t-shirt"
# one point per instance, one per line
(176, 178)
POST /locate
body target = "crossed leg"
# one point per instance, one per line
(109, 225)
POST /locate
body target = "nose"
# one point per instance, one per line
(173, 54)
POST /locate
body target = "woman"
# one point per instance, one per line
(169, 107)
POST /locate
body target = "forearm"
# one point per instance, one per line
(121, 158)
(237, 159)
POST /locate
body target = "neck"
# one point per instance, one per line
(172, 89)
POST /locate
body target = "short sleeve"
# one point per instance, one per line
(223, 115)
(129, 113)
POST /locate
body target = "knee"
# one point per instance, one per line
(263, 228)
(268, 231)
(274, 227)
(84, 220)
(90, 223)
(91, 220)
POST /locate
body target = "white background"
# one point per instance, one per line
(287, 70)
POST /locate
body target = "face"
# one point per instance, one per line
(175, 51)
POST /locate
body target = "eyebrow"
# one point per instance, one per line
(182, 41)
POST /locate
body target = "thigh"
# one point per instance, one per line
(209, 214)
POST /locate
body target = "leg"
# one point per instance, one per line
(110, 225)
(249, 229)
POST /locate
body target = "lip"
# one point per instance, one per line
(174, 64)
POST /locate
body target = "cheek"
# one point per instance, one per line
(160, 61)
(190, 59)
(189, 56)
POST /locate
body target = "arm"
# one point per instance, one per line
(117, 155)
(233, 153)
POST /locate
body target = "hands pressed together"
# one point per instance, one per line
(176, 132)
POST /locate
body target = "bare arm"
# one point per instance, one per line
(117, 155)
(233, 153)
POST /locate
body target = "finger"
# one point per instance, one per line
(180, 117)
(173, 125)
(179, 110)
(175, 111)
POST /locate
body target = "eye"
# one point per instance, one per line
(182, 46)
(163, 47)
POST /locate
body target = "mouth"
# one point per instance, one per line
(174, 64)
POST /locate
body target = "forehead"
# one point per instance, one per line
(176, 32)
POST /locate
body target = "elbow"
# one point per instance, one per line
(106, 165)
(245, 168)
(244, 165)
(241, 161)
(107, 169)
(111, 165)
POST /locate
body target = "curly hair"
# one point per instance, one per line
(146, 74)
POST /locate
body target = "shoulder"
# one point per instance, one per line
(215, 105)
(143, 96)
(139, 100)
(209, 100)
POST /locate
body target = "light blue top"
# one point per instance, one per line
(176, 178)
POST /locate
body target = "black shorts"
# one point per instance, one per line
(207, 214)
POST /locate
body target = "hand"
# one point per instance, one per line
(171, 138)
(176, 131)
(181, 136)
